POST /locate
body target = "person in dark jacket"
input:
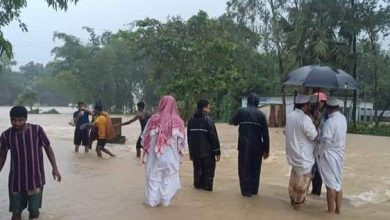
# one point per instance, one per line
(204, 146)
(253, 144)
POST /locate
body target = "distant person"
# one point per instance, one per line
(330, 157)
(164, 141)
(253, 145)
(27, 175)
(301, 135)
(93, 131)
(318, 115)
(143, 117)
(104, 130)
(317, 106)
(203, 144)
(81, 136)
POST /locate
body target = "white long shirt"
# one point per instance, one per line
(331, 150)
(300, 141)
(162, 173)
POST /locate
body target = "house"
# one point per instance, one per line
(385, 116)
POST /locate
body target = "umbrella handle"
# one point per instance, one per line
(295, 96)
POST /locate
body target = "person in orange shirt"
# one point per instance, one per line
(102, 134)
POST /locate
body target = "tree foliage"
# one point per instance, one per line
(10, 10)
(305, 32)
(248, 49)
(28, 98)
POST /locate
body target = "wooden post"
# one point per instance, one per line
(272, 116)
(119, 139)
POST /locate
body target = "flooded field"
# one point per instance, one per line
(113, 188)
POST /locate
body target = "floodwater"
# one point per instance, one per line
(113, 188)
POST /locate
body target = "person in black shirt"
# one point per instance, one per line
(253, 144)
(203, 144)
(319, 116)
(143, 117)
(80, 117)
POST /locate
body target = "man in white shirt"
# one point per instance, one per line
(330, 155)
(300, 144)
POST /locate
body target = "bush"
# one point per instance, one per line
(370, 129)
(51, 111)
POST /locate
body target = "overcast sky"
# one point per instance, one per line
(42, 21)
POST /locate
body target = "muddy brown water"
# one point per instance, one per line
(113, 188)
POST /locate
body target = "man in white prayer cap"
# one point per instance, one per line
(330, 155)
(301, 135)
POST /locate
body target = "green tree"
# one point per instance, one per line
(264, 16)
(11, 83)
(31, 71)
(366, 78)
(51, 89)
(376, 22)
(104, 68)
(204, 58)
(11, 10)
(28, 98)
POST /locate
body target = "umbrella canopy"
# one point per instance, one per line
(320, 77)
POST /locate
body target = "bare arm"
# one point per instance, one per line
(87, 110)
(3, 157)
(87, 126)
(52, 159)
(3, 151)
(49, 152)
(135, 118)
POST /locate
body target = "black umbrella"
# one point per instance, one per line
(320, 77)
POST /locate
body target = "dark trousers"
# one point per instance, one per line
(80, 137)
(139, 147)
(249, 167)
(316, 182)
(204, 169)
(93, 135)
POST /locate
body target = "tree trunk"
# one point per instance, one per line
(376, 93)
(354, 70)
(280, 59)
(283, 122)
(375, 72)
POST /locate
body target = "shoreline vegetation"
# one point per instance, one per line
(383, 129)
(38, 111)
(363, 128)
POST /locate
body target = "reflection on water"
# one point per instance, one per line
(113, 188)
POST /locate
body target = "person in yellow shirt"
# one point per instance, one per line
(101, 124)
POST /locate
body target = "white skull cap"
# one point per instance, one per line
(302, 99)
(333, 102)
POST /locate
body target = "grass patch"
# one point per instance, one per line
(370, 129)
